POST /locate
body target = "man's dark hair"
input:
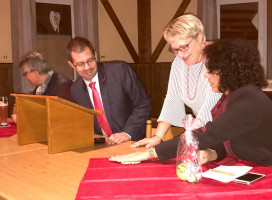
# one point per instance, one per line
(78, 45)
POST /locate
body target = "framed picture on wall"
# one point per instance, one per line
(53, 19)
(246, 19)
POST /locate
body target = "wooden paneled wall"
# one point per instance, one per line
(236, 21)
(154, 77)
(269, 40)
(6, 83)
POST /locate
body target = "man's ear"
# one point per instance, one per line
(95, 55)
(71, 64)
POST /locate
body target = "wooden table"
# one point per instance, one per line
(268, 92)
(28, 172)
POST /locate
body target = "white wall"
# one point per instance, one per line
(5, 32)
(111, 44)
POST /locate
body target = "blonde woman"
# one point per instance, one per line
(187, 84)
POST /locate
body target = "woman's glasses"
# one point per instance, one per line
(182, 48)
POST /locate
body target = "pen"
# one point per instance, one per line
(222, 172)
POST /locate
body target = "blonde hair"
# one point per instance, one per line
(184, 27)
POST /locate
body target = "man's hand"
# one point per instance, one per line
(118, 138)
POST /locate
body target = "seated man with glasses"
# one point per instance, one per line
(48, 82)
(112, 87)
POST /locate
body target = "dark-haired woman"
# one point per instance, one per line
(242, 118)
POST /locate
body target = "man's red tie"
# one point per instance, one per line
(102, 120)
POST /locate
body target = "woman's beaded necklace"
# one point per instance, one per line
(196, 82)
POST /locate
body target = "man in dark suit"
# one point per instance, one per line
(125, 102)
(37, 71)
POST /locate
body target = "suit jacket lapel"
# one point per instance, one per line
(104, 90)
(51, 87)
(86, 101)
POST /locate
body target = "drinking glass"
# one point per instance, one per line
(3, 111)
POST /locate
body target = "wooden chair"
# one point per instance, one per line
(173, 132)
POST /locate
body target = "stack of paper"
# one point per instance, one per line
(226, 173)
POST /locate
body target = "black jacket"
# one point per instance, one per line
(126, 104)
(246, 123)
(58, 86)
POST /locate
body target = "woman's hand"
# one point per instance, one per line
(148, 142)
(205, 156)
(162, 129)
(133, 158)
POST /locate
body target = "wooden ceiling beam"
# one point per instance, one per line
(144, 30)
(120, 30)
(183, 6)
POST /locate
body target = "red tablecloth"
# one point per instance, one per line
(154, 180)
(8, 131)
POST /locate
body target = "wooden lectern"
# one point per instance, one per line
(63, 124)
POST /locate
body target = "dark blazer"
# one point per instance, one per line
(58, 86)
(246, 123)
(126, 104)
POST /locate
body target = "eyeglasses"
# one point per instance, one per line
(26, 73)
(182, 48)
(82, 64)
